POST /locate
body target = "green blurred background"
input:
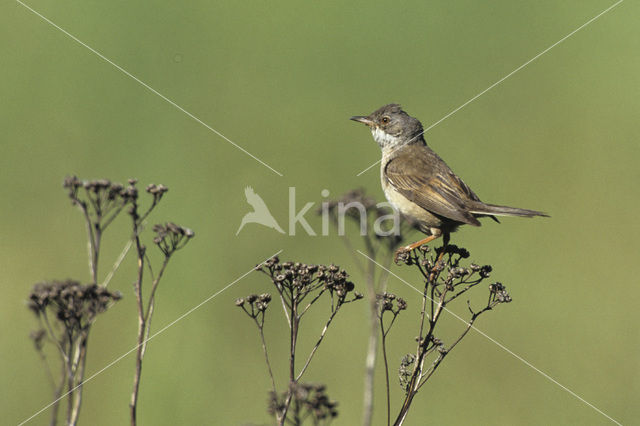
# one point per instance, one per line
(281, 79)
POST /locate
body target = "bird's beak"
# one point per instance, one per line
(362, 119)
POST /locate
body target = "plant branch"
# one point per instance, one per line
(315, 348)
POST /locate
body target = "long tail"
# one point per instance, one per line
(495, 210)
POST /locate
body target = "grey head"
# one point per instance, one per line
(392, 127)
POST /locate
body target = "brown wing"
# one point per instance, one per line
(422, 177)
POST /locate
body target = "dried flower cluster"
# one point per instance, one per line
(73, 304)
(309, 401)
(405, 371)
(171, 237)
(256, 303)
(102, 194)
(156, 190)
(389, 302)
(498, 293)
(67, 309)
(442, 270)
(296, 283)
(100, 202)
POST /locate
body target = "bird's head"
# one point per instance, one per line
(392, 127)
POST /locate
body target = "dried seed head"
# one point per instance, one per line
(75, 305)
(402, 304)
(485, 271)
(265, 297)
(171, 237)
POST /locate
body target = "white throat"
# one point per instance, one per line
(384, 139)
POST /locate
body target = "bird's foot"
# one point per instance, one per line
(402, 255)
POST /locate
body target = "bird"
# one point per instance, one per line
(418, 183)
(260, 213)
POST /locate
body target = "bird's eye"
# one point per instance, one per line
(385, 119)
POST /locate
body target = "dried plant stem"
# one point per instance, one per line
(294, 324)
(374, 327)
(58, 394)
(144, 320)
(384, 331)
(266, 357)
(258, 319)
(96, 254)
(92, 242)
(152, 300)
(372, 347)
(141, 332)
(370, 365)
(386, 370)
(423, 350)
(71, 395)
(315, 348)
(369, 213)
(74, 369)
(432, 369)
(57, 389)
(170, 238)
(79, 375)
(45, 320)
(442, 355)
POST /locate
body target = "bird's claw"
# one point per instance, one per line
(402, 255)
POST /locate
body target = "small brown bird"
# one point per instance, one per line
(420, 184)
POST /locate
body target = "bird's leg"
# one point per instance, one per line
(410, 247)
(445, 243)
(419, 243)
(443, 250)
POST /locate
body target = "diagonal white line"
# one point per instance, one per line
(367, 169)
(127, 73)
(509, 351)
(508, 75)
(117, 263)
(162, 330)
(123, 253)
